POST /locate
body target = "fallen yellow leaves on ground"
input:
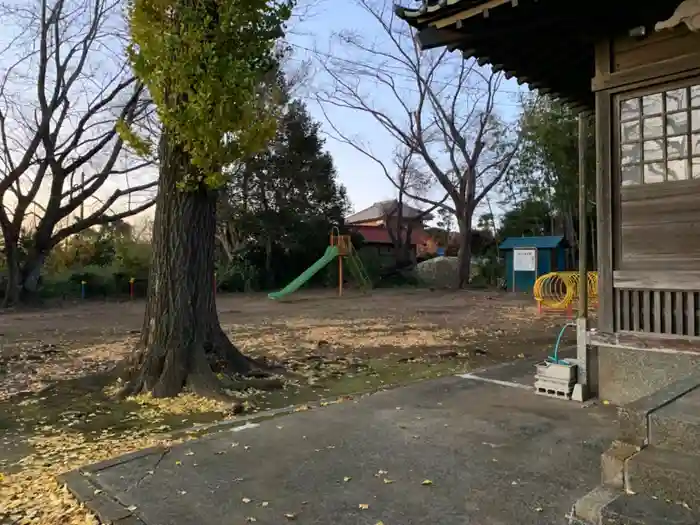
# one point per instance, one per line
(30, 494)
(34, 496)
(183, 404)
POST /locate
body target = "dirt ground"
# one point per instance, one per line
(57, 411)
(68, 341)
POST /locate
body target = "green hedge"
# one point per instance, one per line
(100, 281)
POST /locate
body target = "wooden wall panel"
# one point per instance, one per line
(660, 226)
(628, 52)
(625, 61)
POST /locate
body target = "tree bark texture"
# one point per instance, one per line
(24, 270)
(269, 273)
(182, 343)
(31, 274)
(14, 279)
(464, 255)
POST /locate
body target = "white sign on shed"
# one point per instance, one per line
(525, 260)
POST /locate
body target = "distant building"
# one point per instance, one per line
(379, 221)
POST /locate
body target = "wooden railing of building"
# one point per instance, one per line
(669, 312)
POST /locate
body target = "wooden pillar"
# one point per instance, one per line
(582, 318)
(582, 216)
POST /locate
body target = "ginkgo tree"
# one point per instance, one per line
(204, 63)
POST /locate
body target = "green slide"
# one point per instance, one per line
(330, 255)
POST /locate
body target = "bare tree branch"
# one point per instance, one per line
(101, 215)
(438, 109)
(66, 90)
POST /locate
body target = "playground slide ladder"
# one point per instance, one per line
(357, 269)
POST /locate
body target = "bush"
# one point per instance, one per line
(239, 276)
(100, 281)
(491, 271)
(372, 263)
(133, 259)
(479, 282)
(398, 279)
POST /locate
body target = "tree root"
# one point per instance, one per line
(214, 368)
(243, 383)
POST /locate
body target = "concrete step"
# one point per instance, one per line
(664, 474)
(676, 426)
(588, 509)
(635, 417)
(636, 509)
(605, 506)
(613, 462)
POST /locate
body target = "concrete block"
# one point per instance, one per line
(554, 388)
(555, 379)
(558, 371)
(560, 383)
(612, 464)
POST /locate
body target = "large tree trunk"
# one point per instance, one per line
(31, 274)
(14, 277)
(464, 255)
(269, 274)
(182, 343)
(23, 273)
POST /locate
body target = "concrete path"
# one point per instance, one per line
(452, 451)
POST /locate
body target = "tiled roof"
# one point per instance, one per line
(432, 6)
(379, 209)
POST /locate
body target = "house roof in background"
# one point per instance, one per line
(540, 242)
(379, 209)
(380, 235)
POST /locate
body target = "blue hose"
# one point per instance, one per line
(555, 357)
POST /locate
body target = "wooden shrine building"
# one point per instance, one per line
(637, 66)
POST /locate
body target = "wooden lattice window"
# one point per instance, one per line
(660, 136)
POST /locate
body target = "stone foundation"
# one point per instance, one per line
(626, 375)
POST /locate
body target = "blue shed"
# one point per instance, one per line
(529, 257)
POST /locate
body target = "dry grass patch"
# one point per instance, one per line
(289, 338)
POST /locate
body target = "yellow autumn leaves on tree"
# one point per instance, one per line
(203, 63)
